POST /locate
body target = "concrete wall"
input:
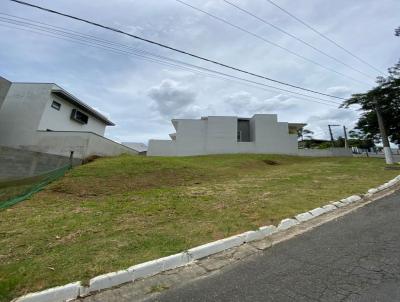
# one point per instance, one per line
(16, 163)
(325, 152)
(272, 136)
(21, 112)
(83, 144)
(27, 108)
(61, 121)
(4, 87)
(218, 135)
(26, 112)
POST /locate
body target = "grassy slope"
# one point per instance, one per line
(116, 212)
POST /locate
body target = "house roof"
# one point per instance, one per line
(139, 147)
(58, 91)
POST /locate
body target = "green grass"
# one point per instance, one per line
(117, 212)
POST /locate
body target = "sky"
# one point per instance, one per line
(142, 96)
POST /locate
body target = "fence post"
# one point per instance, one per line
(71, 156)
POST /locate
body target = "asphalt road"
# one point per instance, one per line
(353, 258)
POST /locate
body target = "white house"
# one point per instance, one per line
(228, 134)
(44, 117)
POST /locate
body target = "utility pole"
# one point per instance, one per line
(385, 141)
(346, 144)
(330, 132)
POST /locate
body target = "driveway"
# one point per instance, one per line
(353, 258)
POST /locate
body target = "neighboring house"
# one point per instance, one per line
(228, 134)
(4, 87)
(139, 147)
(43, 117)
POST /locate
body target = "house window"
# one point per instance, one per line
(56, 105)
(243, 130)
(79, 116)
(239, 136)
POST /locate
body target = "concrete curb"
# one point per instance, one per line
(287, 223)
(59, 293)
(75, 290)
(318, 211)
(303, 217)
(216, 247)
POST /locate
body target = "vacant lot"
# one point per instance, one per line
(116, 212)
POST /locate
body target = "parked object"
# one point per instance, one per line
(44, 117)
(261, 133)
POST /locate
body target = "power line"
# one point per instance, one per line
(296, 38)
(175, 49)
(80, 37)
(324, 36)
(270, 42)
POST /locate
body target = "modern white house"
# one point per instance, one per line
(261, 133)
(44, 117)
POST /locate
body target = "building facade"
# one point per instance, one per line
(43, 117)
(261, 133)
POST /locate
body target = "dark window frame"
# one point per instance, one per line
(79, 116)
(56, 105)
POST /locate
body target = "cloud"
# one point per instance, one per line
(173, 99)
(243, 102)
(341, 91)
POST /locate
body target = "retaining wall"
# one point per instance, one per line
(325, 152)
(18, 163)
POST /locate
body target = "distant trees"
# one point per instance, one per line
(385, 97)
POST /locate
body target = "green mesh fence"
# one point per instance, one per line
(12, 192)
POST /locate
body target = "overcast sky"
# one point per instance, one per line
(141, 96)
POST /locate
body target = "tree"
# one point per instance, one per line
(360, 140)
(304, 133)
(386, 96)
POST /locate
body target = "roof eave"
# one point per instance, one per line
(72, 99)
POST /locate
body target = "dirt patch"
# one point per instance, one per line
(270, 162)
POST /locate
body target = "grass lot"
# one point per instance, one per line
(117, 212)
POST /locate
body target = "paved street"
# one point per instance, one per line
(355, 258)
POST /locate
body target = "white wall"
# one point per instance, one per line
(83, 144)
(21, 112)
(4, 86)
(325, 152)
(221, 135)
(190, 137)
(218, 135)
(60, 120)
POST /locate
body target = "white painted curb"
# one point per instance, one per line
(304, 217)
(215, 247)
(329, 207)
(55, 294)
(74, 290)
(287, 223)
(253, 236)
(317, 212)
(107, 281)
(338, 204)
(268, 230)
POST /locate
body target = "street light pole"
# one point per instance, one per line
(385, 141)
(346, 144)
(330, 132)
